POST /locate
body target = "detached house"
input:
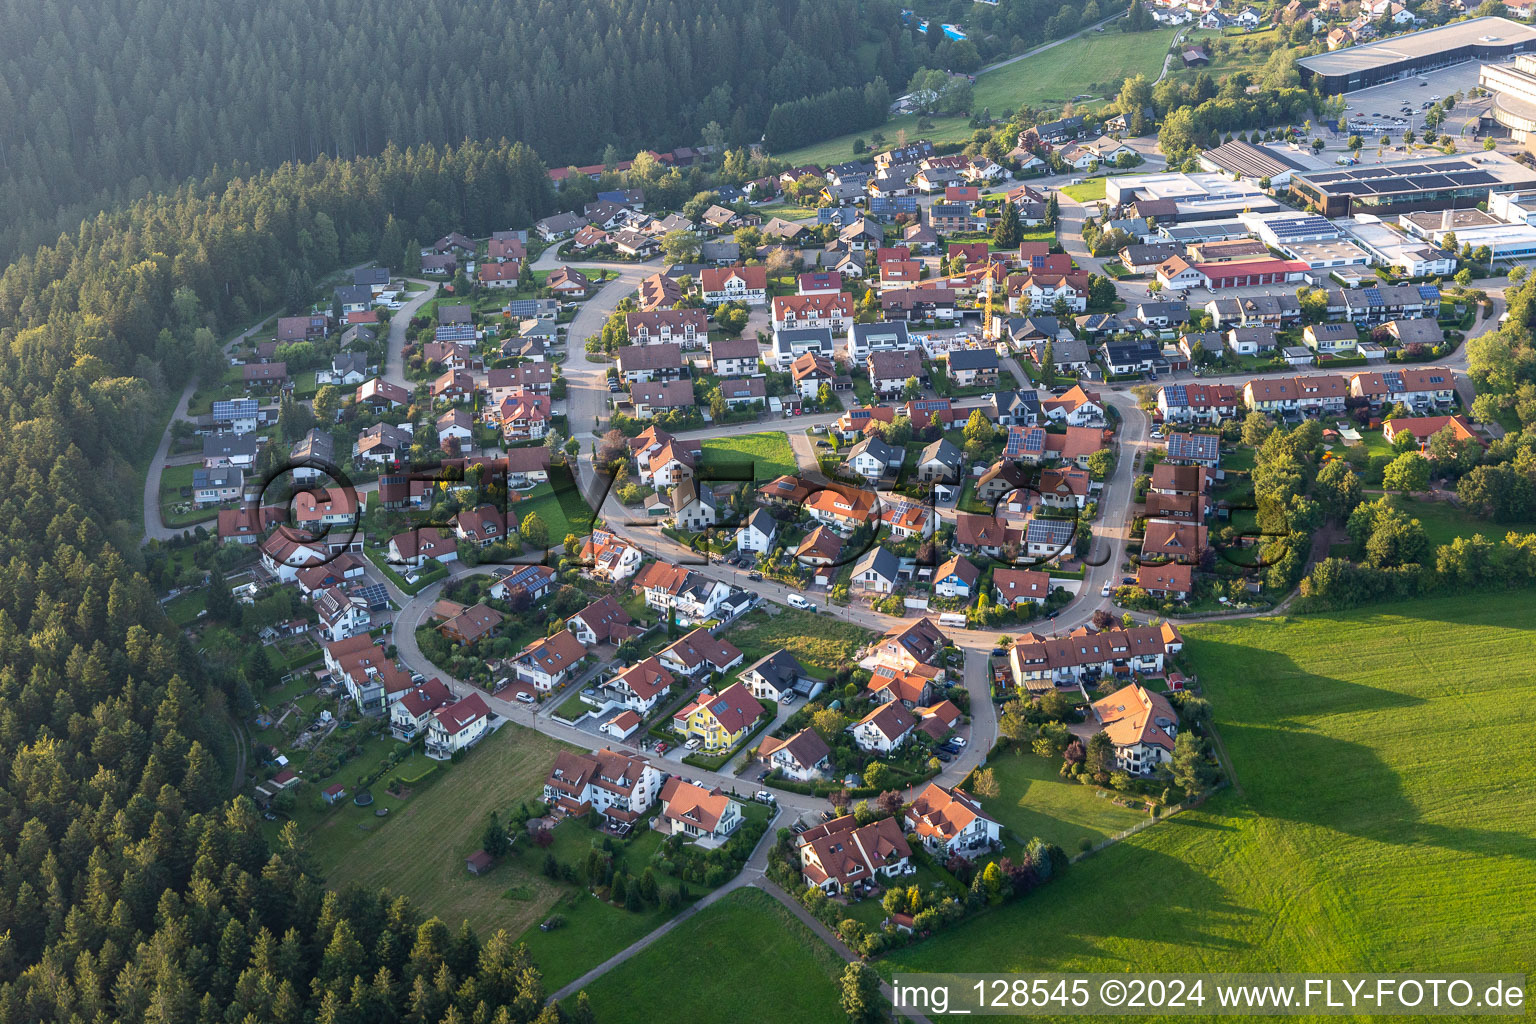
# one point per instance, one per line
(884, 729)
(842, 855)
(692, 811)
(616, 785)
(1141, 724)
(950, 822)
(803, 756)
(457, 727)
(548, 662)
(719, 721)
(734, 284)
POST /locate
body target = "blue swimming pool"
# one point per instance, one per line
(953, 32)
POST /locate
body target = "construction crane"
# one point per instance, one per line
(988, 325)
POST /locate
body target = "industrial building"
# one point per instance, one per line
(1333, 254)
(1396, 57)
(1390, 248)
(1253, 163)
(1191, 192)
(1504, 241)
(1514, 95)
(1513, 207)
(1280, 229)
(1389, 189)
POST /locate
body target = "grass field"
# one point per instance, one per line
(769, 452)
(1054, 77)
(817, 640)
(727, 964)
(840, 148)
(1089, 191)
(419, 850)
(1383, 823)
(1036, 802)
(564, 512)
(1444, 522)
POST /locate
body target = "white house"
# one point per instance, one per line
(1141, 724)
(619, 786)
(950, 822)
(758, 533)
(884, 729)
(457, 727)
(803, 756)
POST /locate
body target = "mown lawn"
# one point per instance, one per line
(817, 640)
(1036, 801)
(563, 511)
(769, 454)
(1090, 191)
(1384, 820)
(419, 850)
(746, 959)
(838, 149)
(1094, 62)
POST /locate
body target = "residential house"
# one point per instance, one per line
(1413, 386)
(1074, 407)
(758, 533)
(704, 815)
(872, 458)
(469, 625)
(950, 822)
(803, 757)
(884, 729)
(924, 304)
(778, 677)
(216, 486)
(877, 571)
(1331, 339)
(732, 357)
(523, 585)
(834, 312)
(1424, 428)
(843, 856)
(603, 621)
(640, 686)
(890, 371)
(225, 451)
(809, 372)
(457, 727)
(973, 367)
(1172, 540)
(619, 786)
(719, 721)
(548, 662)
(686, 327)
(955, 577)
(1013, 587)
(381, 396)
(409, 715)
(1141, 724)
(1198, 403)
(699, 653)
(413, 547)
(940, 462)
(734, 284)
(655, 362)
(1040, 663)
(693, 507)
(1193, 449)
(567, 283)
(1172, 580)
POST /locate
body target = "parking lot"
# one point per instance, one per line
(1415, 91)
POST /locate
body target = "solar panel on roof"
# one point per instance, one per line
(375, 595)
(1429, 293)
(1175, 394)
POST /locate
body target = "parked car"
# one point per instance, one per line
(958, 741)
(754, 575)
(799, 602)
(662, 746)
(942, 756)
(525, 697)
(763, 774)
(693, 744)
(764, 797)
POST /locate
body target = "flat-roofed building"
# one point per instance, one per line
(1440, 183)
(1358, 67)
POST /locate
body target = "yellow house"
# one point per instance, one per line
(721, 720)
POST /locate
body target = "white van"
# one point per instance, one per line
(795, 600)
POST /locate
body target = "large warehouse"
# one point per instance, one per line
(1389, 189)
(1358, 67)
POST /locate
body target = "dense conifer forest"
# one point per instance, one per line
(103, 101)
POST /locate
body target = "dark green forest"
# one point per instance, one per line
(104, 101)
(131, 887)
